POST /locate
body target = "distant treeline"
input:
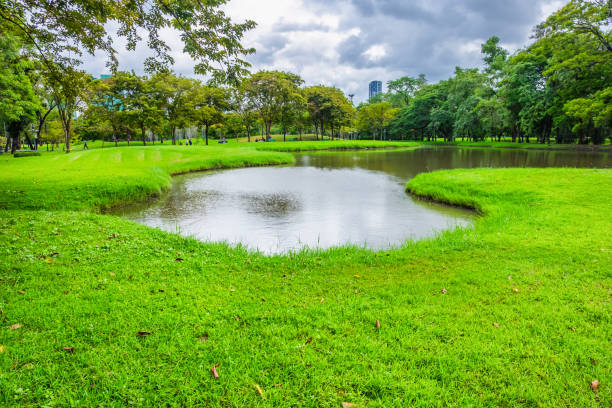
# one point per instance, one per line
(557, 89)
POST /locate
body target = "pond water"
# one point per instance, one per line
(329, 198)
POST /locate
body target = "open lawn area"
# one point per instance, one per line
(100, 311)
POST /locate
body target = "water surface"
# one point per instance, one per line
(329, 198)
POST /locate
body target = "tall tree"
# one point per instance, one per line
(403, 89)
(272, 93)
(69, 87)
(19, 103)
(208, 104)
(174, 92)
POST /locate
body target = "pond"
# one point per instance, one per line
(329, 198)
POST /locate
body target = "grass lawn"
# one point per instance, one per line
(97, 310)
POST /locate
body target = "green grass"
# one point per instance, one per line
(525, 320)
(331, 145)
(104, 177)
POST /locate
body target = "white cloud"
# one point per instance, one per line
(375, 52)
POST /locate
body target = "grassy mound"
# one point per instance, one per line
(516, 311)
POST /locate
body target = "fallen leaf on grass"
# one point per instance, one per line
(203, 338)
(213, 369)
(112, 236)
(69, 349)
(571, 328)
(348, 405)
(594, 385)
(3, 315)
(444, 291)
(48, 260)
(14, 326)
(259, 390)
(515, 290)
(495, 324)
(356, 276)
(378, 324)
(2, 349)
(21, 292)
(278, 385)
(322, 300)
(144, 333)
(263, 299)
(112, 274)
(179, 259)
(309, 340)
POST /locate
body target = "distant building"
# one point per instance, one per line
(375, 88)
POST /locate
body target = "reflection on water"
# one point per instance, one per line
(329, 199)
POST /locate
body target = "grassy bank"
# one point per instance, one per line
(332, 145)
(99, 178)
(513, 312)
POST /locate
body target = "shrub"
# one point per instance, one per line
(26, 154)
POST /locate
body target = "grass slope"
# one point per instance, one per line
(103, 177)
(525, 320)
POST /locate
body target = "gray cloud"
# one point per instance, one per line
(348, 43)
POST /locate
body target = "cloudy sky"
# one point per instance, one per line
(347, 43)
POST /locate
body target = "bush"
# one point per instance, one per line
(26, 154)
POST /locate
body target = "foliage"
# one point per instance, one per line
(60, 33)
(19, 104)
(272, 94)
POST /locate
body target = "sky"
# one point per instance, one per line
(348, 43)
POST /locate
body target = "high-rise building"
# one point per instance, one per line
(375, 88)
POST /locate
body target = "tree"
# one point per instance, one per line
(59, 33)
(403, 89)
(375, 117)
(272, 94)
(243, 106)
(105, 103)
(19, 104)
(208, 104)
(173, 92)
(592, 18)
(69, 87)
(142, 102)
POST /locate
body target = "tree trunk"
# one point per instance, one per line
(13, 129)
(248, 129)
(67, 139)
(268, 127)
(41, 122)
(115, 134)
(143, 133)
(174, 135)
(29, 141)
(206, 133)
